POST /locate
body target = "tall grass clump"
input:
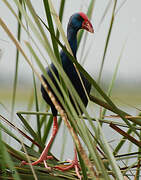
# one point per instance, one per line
(96, 157)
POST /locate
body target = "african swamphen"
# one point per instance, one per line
(77, 21)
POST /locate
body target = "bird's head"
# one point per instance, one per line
(80, 21)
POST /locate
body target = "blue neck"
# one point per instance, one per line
(72, 38)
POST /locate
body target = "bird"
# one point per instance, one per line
(76, 22)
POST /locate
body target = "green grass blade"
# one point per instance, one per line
(30, 130)
(17, 129)
(7, 131)
(83, 167)
(61, 12)
(50, 23)
(113, 78)
(109, 155)
(59, 26)
(51, 27)
(138, 168)
(37, 108)
(130, 148)
(16, 65)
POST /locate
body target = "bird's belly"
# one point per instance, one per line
(75, 80)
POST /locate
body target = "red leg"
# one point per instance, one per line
(74, 164)
(44, 156)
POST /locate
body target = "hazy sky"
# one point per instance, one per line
(126, 30)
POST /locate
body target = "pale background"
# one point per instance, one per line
(126, 31)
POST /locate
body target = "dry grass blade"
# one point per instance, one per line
(130, 138)
(138, 170)
(107, 106)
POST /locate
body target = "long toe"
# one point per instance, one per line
(40, 160)
(74, 164)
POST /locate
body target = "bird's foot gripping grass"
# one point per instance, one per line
(44, 156)
(74, 164)
(40, 160)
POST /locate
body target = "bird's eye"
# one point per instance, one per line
(80, 18)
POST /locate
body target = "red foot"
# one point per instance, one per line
(74, 164)
(44, 156)
(40, 160)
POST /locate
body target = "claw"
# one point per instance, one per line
(74, 164)
(46, 166)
